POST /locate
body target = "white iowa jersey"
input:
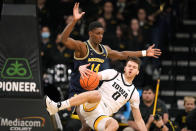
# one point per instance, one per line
(116, 92)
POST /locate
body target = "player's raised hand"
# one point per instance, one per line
(76, 14)
(84, 71)
(153, 52)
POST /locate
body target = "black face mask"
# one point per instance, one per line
(60, 44)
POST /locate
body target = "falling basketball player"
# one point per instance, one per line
(97, 106)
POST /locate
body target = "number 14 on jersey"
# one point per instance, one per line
(95, 68)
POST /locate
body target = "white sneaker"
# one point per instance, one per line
(51, 106)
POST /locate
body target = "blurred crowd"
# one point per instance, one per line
(129, 25)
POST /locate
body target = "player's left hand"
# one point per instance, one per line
(84, 71)
(76, 13)
(153, 52)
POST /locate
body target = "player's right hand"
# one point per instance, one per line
(84, 71)
(76, 14)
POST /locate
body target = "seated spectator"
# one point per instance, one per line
(45, 39)
(146, 107)
(191, 120)
(189, 105)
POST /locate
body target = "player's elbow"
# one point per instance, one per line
(64, 40)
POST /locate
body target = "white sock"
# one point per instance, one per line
(64, 105)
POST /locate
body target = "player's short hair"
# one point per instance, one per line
(188, 98)
(94, 25)
(134, 59)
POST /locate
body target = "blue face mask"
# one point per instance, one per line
(45, 35)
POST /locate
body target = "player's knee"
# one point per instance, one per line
(113, 124)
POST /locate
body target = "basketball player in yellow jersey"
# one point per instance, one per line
(93, 52)
(97, 106)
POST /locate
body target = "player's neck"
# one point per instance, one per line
(95, 46)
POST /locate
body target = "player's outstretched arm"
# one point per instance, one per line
(117, 55)
(138, 119)
(69, 42)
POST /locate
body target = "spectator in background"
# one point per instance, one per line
(144, 26)
(191, 120)
(146, 108)
(110, 20)
(45, 39)
(136, 36)
(122, 39)
(189, 105)
(141, 15)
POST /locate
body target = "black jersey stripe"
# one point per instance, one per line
(131, 94)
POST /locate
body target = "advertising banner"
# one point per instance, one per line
(24, 115)
(20, 72)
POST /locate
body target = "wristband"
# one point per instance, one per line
(144, 53)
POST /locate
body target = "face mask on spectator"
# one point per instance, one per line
(45, 35)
